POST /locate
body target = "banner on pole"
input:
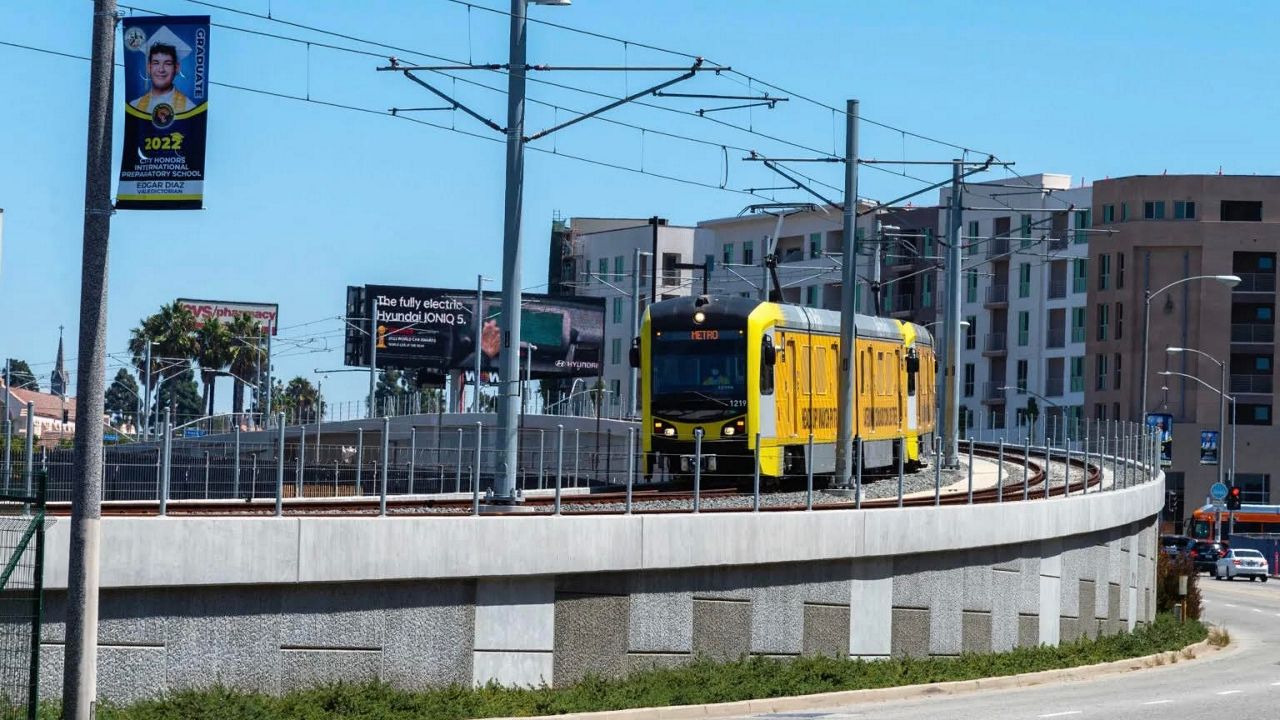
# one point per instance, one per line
(166, 94)
(1163, 422)
(1208, 447)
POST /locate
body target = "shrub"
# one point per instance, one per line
(1168, 570)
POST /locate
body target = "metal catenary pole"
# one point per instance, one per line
(373, 352)
(28, 462)
(386, 463)
(235, 473)
(80, 680)
(951, 323)
(280, 467)
(633, 375)
(8, 427)
(504, 481)
(847, 410)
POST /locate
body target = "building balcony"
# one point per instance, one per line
(997, 246)
(995, 344)
(1255, 283)
(1057, 289)
(1057, 337)
(1057, 244)
(1053, 387)
(997, 295)
(1256, 384)
(992, 394)
(1253, 333)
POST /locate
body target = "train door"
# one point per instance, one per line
(913, 390)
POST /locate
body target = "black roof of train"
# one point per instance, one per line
(721, 311)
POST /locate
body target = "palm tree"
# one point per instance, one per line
(213, 348)
(247, 356)
(170, 331)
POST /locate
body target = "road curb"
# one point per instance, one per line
(906, 692)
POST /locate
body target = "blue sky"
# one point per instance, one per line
(304, 199)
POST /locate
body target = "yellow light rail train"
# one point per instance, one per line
(734, 367)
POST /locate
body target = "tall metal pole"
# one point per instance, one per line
(80, 676)
(633, 375)
(146, 404)
(8, 426)
(504, 480)
(951, 414)
(373, 352)
(848, 304)
(479, 324)
(1222, 421)
(266, 411)
(1146, 339)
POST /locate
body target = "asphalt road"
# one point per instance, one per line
(1241, 684)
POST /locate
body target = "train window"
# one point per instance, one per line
(913, 367)
(820, 370)
(768, 358)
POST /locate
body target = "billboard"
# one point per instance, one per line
(166, 98)
(267, 314)
(1164, 423)
(433, 330)
(1208, 447)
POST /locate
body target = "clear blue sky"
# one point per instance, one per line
(303, 199)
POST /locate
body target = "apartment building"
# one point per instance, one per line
(1025, 260)
(1174, 229)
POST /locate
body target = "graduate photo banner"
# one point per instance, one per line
(166, 93)
(1163, 422)
(1208, 447)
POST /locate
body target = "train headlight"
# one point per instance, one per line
(728, 430)
(699, 317)
(669, 432)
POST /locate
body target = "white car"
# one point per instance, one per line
(1241, 562)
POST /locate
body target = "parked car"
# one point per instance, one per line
(1175, 545)
(1241, 562)
(1205, 554)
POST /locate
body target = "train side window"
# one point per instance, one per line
(913, 367)
(768, 358)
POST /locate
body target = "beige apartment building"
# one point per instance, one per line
(1166, 228)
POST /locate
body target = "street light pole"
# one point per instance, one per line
(1222, 402)
(1229, 280)
(951, 397)
(846, 412)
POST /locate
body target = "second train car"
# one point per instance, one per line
(734, 367)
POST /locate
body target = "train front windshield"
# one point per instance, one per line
(699, 375)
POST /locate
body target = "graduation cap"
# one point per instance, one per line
(163, 36)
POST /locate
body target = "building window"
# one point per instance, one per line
(815, 245)
(1108, 213)
(1153, 210)
(926, 291)
(1184, 210)
(1116, 372)
(971, 286)
(1077, 374)
(748, 253)
(1104, 319)
(670, 274)
(968, 379)
(1100, 372)
(1119, 321)
(971, 333)
(1084, 221)
(1022, 375)
(1104, 271)
(727, 253)
(1255, 488)
(602, 267)
(1253, 414)
(1078, 321)
(619, 267)
(1080, 275)
(928, 241)
(617, 311)
(615, 390)
(971, 242)
(1024, 328)
(1241, 211)
(1119, 270)
(811, 296)
(1024, 230)
(1124, 212)
(615, 351)
(1099, 411)
(1024, 280)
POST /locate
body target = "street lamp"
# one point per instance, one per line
(1222, 399)
(1222, 393)
(1228, 280)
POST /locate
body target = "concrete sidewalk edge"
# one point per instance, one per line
(848, 697)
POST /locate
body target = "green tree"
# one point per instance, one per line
(180, 393)
(298, 400)
(213, 353)
(171, 333)
(20, 375)
(122, 397)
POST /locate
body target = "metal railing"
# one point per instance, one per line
(993, 391)
(1253, 333)
(998, 294)
(1252, 384)
(1057, 289)
(995, 342)
(1057, 337)
(1053, 386)
(997, 246)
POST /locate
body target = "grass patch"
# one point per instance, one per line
(698, 682)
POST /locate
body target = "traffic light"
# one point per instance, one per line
(1233, 499)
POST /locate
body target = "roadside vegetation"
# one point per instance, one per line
(699, 682)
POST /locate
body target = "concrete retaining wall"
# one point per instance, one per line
(276, 604)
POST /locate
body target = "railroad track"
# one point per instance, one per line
(591, 504)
